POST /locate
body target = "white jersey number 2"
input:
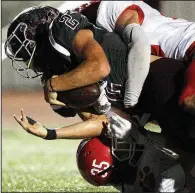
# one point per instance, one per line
(67, 19)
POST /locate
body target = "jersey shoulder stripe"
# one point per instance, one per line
(64, 28)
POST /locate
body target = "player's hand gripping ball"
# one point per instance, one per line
(80, 97)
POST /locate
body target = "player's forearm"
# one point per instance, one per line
(94, 67)
(138, 62)
(86, 129)
(88, 72)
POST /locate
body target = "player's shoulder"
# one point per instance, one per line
(70, 20)
(74, 15)
(112, 9)
(64, 28)
(110, 4)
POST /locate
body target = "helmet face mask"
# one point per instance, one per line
(23, 52)
(127, 150)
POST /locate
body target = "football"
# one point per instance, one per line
(80, 97)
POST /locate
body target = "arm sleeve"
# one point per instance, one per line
(138, 62)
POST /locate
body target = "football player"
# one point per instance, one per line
(138, 56)
(99, 167)
(53, 43)
(159, 97)
(168, 37)
(39, 35)
(163, 72)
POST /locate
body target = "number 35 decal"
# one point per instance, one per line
(67, 19)
(99, 167)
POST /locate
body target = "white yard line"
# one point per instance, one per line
(63, 7)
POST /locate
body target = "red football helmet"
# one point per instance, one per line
(94, 156)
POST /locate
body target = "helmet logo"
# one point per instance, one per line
(97, 168)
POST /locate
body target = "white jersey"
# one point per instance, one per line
(168, 37)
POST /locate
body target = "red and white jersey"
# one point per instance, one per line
(169, 37)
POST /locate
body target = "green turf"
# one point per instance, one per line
(30, 164)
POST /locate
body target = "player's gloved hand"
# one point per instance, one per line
(119, 127)
(50, 95)
(31, 126)
(102, 105)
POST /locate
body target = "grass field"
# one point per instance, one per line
(30, 164)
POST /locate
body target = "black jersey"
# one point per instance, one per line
(116, 53)
(57, 52)
(63, 30)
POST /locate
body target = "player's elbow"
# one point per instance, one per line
(104, 69)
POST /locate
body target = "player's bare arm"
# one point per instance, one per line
(128, 26)
(127, 17)
(93, 68)
(70, 47)
(92, 126)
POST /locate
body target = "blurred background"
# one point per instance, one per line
(11, 80)
(26, 159)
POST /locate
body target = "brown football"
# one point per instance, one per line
(80, 97)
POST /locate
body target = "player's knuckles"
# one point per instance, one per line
(116, 129)
(112, 125)
(124, 121)
(119, 136)
(127, 125)
(115, 117)
(114, 122)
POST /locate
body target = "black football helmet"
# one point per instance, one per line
(23, 35)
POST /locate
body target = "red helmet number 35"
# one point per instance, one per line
(93, 157)
(97, 168)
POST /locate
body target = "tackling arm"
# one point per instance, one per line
(92, 126)
(94, 67)
(129, 28)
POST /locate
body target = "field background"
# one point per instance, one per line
(31, 164)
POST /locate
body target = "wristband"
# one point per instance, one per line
(51, 134)
(51, 85)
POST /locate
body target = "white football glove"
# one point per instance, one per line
(102, 105)
(119, 127)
